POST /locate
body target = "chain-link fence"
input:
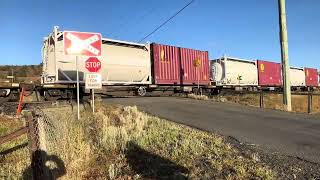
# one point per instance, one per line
(62, 142)
(41, 146)
(43, 135)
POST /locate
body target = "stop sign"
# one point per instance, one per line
(93, 64)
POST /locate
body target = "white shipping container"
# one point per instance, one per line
(297, 77)
(122, 63)
(229, 71)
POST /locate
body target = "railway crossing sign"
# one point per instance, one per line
(93, 64)
(82, 43)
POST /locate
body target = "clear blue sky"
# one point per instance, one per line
(245, 29)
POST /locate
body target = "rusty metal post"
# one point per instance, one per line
(309, 102)
(261, 99)
(20, 101)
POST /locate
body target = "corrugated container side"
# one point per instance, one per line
(166, 64)
(269, 73)
(311, 77)
(192, 74)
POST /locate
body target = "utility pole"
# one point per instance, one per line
(284, 55)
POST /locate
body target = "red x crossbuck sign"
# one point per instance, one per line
(82, 43)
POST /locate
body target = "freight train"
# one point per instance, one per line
(153, 67)
(126, 66)
(228, 72)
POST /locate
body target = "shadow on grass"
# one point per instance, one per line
(40, 170)
(152, 166)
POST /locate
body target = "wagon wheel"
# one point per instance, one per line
(6, 98)
(48, 97)
(142, 91)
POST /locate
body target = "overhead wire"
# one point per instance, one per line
(123, 21)
(136, 21)
(165, 22)
(131, 21)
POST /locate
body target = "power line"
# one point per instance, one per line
(135, 21)
(167, 20)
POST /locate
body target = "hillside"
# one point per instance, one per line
(21, 73)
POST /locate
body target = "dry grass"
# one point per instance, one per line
(67, 140)
(204, 155)
(271, 101)
(14, 164)
(274, 101)
(124, 143)
(197, 97)
(316, 104)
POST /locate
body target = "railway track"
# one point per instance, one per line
(10, 108)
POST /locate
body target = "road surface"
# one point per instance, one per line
(287, 133)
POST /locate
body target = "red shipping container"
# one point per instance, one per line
(194, 66)
(166, 64)
(174, 65)
(311, 77)
(269, 73)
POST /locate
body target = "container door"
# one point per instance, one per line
(194, 67)
(166, 64)
(269, 73)
(311, 77)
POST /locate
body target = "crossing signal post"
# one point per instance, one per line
(93, 78)
(81, 44)
(284, 55)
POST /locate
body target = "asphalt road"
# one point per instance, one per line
(275, 131)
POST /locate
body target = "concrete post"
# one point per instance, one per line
(284, 55)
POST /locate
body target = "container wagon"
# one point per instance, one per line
(234, 72)
(230, 72)
(126, 66)
(7, 90)
(175, 66)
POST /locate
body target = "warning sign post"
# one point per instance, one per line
(93, 79)
(81, 44)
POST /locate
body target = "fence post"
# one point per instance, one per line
(261, 99)
(37, 155)
(310, 102)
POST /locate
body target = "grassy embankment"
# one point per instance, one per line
(123, 143)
